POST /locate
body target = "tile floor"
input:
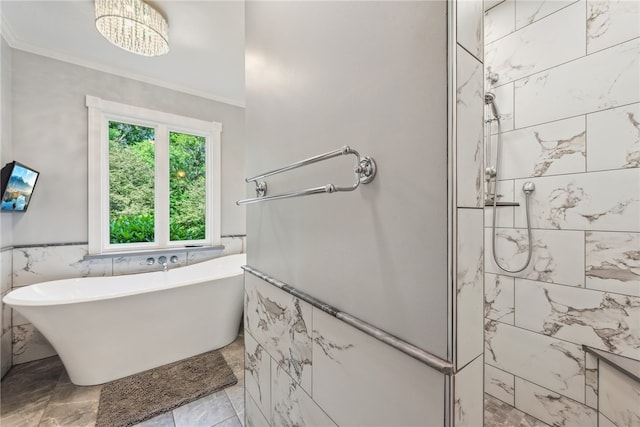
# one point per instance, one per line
(499, 414)
(39, 393)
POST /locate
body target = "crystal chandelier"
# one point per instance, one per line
(133, 26)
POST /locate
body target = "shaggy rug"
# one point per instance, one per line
(136, 398)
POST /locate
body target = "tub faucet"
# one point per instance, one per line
(163, 262)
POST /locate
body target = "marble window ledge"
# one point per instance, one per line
(627, 366)
(178, 249)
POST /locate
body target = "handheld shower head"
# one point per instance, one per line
(490, 99)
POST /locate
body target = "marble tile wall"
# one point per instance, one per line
(6, 282)
(571, 108)
(466, 397)
(305, 367)
(34, 264)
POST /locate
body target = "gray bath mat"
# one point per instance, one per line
(136, 398)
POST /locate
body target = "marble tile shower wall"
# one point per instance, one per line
(569, 95)
(467, 392)
(21, 342)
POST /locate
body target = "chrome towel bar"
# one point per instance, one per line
(364, 170)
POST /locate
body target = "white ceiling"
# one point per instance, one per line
(206, 39)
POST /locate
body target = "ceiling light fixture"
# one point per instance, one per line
(133, 26)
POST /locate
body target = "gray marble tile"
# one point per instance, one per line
(610, 322)
(204, 412)
(282, 324)
(6, 354)
(504, 215)
(233, 245)
(234, 356)
(610, 22)
(613, 262)
(499, 21)
(26, 391)
(77, 414)
(6, 316)
(258, 374)
(230, 422)
(596, 82)
(530, 11)
(469, 129)
(354, 370)
(6, 270)
(291, 405)
(619, 396)
(164, 420)
(555, 364)
(499, 384)
(29, 344)
(537, 47)
(548, 149)
(591, 381)
(468, 398)
(44, 263)
(554, 258)
(469, 26)
(504, 98)
(500, 414)
(235, 393)
(469, 280)
(253, 416)
(499, 298)
(194, 257)
(603, 421)
(553, 408)
(594, 201)
(613, 141)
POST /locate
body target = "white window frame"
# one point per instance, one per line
(100, 113)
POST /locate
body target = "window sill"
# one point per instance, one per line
(154, 252)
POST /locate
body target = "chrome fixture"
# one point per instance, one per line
(150, 261)
(133, 25)
(491, 176)
(173, 259)
(364, 170)
(492, 78)
(163, 261)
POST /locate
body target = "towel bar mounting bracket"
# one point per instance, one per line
(367, 170)
(261, 188)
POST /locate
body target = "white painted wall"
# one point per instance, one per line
(371, 75)
(50, 134)
(6, 151)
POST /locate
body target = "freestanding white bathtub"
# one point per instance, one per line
(105, 328)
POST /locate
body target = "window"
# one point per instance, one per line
(154, 179)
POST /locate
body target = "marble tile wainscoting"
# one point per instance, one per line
(305, 367)
(6, 281)
(571, 124)
(28, 265)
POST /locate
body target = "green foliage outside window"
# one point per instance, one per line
(131, 184)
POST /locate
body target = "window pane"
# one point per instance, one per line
(187, 186)
(131, 183)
